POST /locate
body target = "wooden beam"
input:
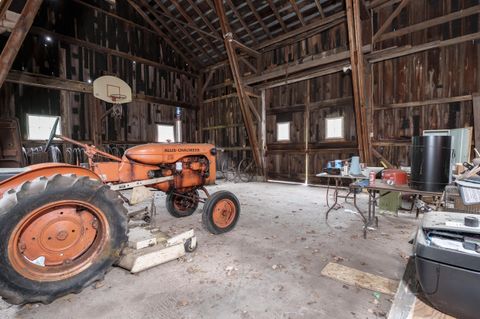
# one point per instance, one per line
(4, 5)
(291, 68)
(355, 78)
(204, 18)
(297, 12)
(381, 158)
(362, 72)
(301, 33)
(155, 27)
(446, 100)
(182, 29)
(320, 9)
(389, 20)
(476, 119)
(232, 57)
(18, 34)
(107, 51)
(50, 82)
(192, 23)
(246, 49)
(301, 30)
(306, 75)
(259, 19)
(242, 22)
(377, 56)
(431, 23)
(116, 16)
(248, 64)
(277, 15)
(207, 82)
(379, 4)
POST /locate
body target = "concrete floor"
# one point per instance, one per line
(268, 267)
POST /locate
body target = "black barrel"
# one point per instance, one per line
(430, 162)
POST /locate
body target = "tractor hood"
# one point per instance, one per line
(160, 153)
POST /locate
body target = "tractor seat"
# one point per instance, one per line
(6, 173)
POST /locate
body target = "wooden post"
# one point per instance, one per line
(362, 87)
(356, 97)
(476, 118)
(200, 91)
(242, 95)
(17, 36)
(264, 133)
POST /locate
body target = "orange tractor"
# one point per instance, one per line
(64, 226)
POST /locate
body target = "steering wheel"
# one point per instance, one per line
(52, 134)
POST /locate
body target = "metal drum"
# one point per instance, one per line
(430, 162)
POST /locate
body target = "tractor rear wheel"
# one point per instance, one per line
(59, 235)
(182, 205)
(221, 212)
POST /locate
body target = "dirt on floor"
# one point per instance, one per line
(267, 267)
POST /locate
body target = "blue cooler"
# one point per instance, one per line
(447, 262)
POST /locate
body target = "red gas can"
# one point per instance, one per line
(396, 176)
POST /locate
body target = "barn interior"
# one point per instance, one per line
(312, 118)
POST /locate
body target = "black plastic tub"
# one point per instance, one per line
(430, 162)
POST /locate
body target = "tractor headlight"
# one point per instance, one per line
(213, 151)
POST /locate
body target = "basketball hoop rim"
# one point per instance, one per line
(117, 96)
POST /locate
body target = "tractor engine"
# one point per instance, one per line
(188, 172)
(191, 165)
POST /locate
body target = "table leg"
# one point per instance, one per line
(335, 195)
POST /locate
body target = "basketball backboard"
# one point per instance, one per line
(112, 90)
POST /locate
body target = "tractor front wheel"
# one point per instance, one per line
(182, 205)
(59, 235)
(221, 212)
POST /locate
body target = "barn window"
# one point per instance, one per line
(165, 133)
(39, 126)
(334, 128)
(283, 131)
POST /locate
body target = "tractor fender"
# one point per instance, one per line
(46, 170)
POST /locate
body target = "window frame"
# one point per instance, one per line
(342, 130)
(288, 139)
(157, 125)
(54, 117)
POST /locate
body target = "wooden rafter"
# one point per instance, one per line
(277, 15)
(107, 51)
(204, 18)
(155, 27)
(297, 12)
(242, 22)
(317, 24)
(242, 95)
(4, 5)
(182, 29)
(18, 34)
(191, 22)
(320, 9)
(246, 49)
(389, 20)
(259, 19)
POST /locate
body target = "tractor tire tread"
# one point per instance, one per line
(13, 197)
(207, 216)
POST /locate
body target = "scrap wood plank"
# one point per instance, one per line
(359, 278)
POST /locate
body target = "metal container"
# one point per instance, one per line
(430, 162)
